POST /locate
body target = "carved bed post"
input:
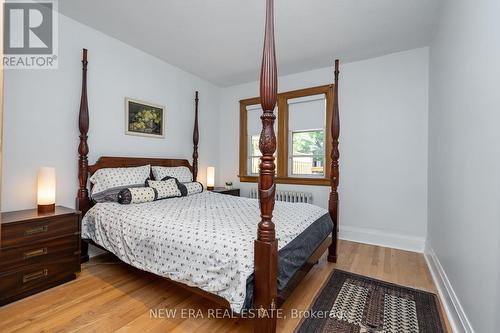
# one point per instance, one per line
(196, 137)
(266, 245)
(333, 202)
(82, 200)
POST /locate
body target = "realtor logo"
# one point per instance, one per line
(30, 34)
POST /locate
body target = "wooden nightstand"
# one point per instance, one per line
(37, 251)
(222, 190)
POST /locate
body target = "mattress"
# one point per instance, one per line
(206, 240)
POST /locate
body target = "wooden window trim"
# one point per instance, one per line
(282, 137)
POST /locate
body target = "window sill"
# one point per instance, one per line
(290, 180)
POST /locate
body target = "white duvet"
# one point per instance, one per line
(204, 240)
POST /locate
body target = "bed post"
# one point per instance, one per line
(333, 202)
(266, 245)
(196, 137)
(82, 200)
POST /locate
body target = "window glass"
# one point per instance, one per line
(254, 127)
(308, 153)
(307, 119)
(254, 154)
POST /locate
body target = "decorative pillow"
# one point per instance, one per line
(193, 187)
(165, 188)
(109, 178)
(137, 195)
(111, 194)
(182, 173)
(180, 185)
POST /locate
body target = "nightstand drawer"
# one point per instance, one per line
(36, 253)
(27, 233)
(38, 276)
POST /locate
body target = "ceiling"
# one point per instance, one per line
(221, 40)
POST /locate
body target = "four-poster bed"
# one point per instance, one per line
(266, 252)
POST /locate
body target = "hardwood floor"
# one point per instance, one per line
(109, 296)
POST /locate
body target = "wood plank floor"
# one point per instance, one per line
(109, 296)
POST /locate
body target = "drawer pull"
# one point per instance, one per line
(36, 275)
(37, 230)
(35, 253)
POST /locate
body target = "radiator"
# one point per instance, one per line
(288, 196)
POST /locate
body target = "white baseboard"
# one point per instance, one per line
(454, 310)
(386, 239)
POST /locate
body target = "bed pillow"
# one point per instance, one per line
(109, 178)
(193, 187)
(180, 185)
(136, 195)
(165, 188)
(111, 194)
(181, 173)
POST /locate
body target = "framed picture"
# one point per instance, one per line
(144, 119)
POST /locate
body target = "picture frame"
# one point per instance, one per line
(144, 118)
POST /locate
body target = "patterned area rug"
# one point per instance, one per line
(350, 303)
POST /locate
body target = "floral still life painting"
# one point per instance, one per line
(144, 119)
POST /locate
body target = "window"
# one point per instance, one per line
(255, 155)
(308, 153)
(302, 127)
(254, 127)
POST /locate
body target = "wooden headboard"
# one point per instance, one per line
(121, 162)
(83, 201)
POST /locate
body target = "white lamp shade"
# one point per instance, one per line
(210, 176)
(46, 186)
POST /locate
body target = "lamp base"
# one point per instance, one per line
(210, 188)
(45, 209)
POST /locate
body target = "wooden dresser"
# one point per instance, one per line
(37, 251)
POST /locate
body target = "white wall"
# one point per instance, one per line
(383, 145)
(41, 110)
(464, 161)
